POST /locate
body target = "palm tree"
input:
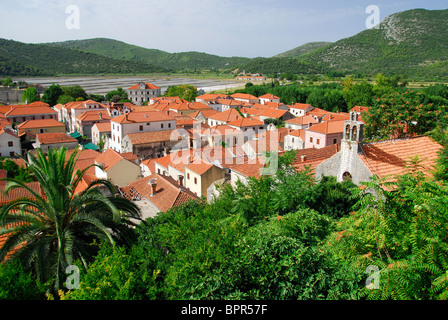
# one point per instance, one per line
(49, 233)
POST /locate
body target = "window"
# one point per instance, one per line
(188, 176)
(318, 141)
(195, 180)
(292, 140)
(11, 154)
(169, 125)
(161, 125)
(346, 176)
(311, 139)
(41, 130)
(335, 141)
(141, 128)
(10, 144)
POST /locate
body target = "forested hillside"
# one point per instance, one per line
(178, 61)
(21, 59)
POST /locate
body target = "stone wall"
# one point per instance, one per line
(10, 95)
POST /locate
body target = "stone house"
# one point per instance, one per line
(10, 144)
(155, 144)
(142, 92)
(56, 140)
(115, 168)
(324, 134)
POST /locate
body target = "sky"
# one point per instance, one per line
(249, 28)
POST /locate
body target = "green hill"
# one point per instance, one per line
(178, 61)
(281, 65)
(303, 49)
(412, 42)
(22, 59)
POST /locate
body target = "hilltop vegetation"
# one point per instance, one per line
(413, 42)
(21, 59)
(178, 61)
(303, 49)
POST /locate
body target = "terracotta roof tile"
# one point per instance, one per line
(245, 122)
(109, 158)
(40, 123)
(26, 110)
(328, 127)
(226, 116)
(269, 96)
(142, 117)
(54, 137)
(243, 96)
(305, 120)
(313, 156)
(169, 193)
(103, 126)
(301, 106)
(389, 157)
(154, 136)
(147, 86)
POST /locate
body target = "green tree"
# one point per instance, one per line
(65, 98)
(16, 284)
(183, 91)
(76, 92)
(118, 95)
(51, 94)
(359, 94)
(53, 231)
(30, 95)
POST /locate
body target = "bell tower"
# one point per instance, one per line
(351, 146)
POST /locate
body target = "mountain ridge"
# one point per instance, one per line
(178, 60)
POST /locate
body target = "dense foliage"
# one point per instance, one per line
(173, 61)
(20, 59)
(49, 233)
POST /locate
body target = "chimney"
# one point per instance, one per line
(303, 158)
(188, 160)
(126, 116)
(153, 188)
(181, 180)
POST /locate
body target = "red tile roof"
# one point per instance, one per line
(313, 156)
(305, 120)
(243, 96)
(245, 122)
(269, 96)
(103, 126)
(26, 110)
(94, 115)
(109, 159)
(169, 193)
(200, 167)
(40, 123)
(154, 136)
(147, 86)
(301, 106)
(142, 117)
(328, 127)
(389, 157)
(226, 116)
(54, 137)
(359, 109)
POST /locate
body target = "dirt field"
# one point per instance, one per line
(102, 85)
